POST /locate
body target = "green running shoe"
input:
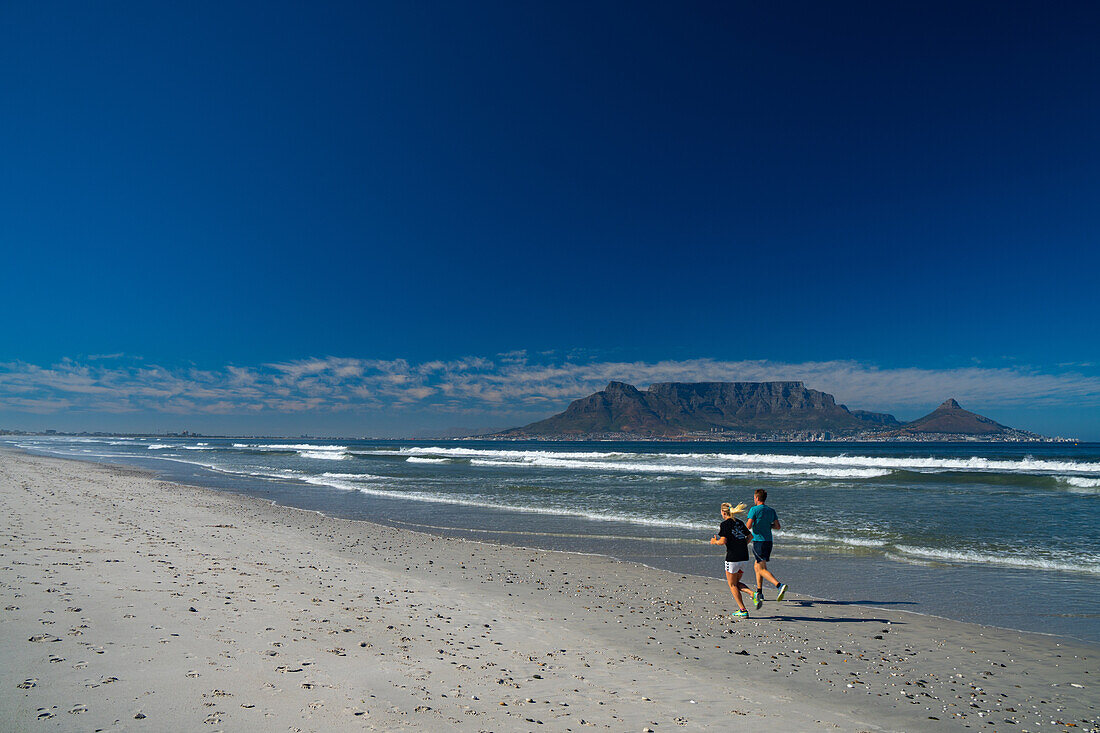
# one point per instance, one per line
(757, 599)
(740, 614)
(782, 592)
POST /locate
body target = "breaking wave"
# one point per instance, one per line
(1082, 483)
(323, 455)
(684, 468)
(842, 466)
(1085, 564)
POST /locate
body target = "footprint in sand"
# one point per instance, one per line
(28, 683)
(193, 673)
(44, 714)
(80, 665)
(78, 709)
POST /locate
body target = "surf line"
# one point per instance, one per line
(685, 540)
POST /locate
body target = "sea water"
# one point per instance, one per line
(999, 534)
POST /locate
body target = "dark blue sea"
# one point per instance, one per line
(999, 534)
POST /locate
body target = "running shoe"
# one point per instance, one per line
(740, 614)
(757, 599)
(782, 592)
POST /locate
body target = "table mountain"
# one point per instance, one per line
(670, 409)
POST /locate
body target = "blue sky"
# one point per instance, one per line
(897, 203)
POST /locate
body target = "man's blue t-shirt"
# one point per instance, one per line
(762, 517)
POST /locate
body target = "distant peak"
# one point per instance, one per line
(950, 404)
(620, 387)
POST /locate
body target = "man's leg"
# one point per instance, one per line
(763, 572)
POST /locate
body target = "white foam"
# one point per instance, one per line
(1081, 483)
(459, 501)
(323, 455)
(290, 446)
(1088, 564)
(513, 455)
(881, 463)
(159, 446)
(686, 468)
(826, 539)
(355, 476)
(418, 459)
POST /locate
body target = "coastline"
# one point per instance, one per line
(305, 620)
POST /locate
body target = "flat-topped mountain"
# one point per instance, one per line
(742, 410)
(669, 409)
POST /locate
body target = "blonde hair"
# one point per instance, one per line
(729, 509)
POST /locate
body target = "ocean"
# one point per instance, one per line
(1000, 534)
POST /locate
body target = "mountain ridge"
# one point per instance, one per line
(670, 410)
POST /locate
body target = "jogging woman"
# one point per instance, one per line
(735, 536)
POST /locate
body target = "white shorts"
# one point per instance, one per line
(744, 566)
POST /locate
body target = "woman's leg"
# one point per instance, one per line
(734, 580)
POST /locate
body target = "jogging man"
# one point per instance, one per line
(762, 519)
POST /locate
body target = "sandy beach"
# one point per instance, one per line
(131, 603)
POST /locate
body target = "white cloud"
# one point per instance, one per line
(508, 383)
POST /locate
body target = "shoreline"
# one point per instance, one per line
(805, 596)
(650, 641)
(959, 588)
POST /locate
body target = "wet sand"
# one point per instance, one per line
(131, 603)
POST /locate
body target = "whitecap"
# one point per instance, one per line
(323, 455)
(1081, 483)
(1086, 564)
(883, 464)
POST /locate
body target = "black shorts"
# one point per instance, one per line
(762, 551)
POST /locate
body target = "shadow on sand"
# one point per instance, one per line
(810, 604)
(836, 620)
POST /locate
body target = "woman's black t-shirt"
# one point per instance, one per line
(736, 533)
